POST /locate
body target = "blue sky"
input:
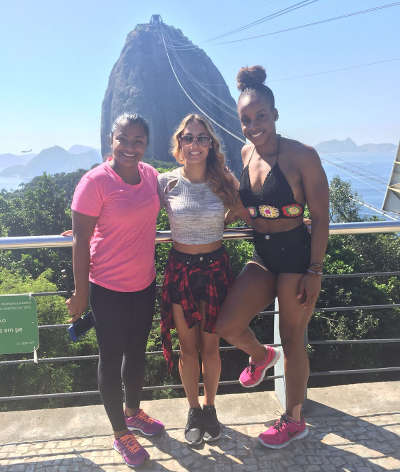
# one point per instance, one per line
(56, 57)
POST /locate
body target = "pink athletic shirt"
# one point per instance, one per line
(123, 241)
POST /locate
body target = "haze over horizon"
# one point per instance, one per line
(78, 148)
(331, 81)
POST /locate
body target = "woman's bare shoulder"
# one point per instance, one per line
(300, 153)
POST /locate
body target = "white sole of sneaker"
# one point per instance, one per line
(194, 442)
(130, 465)
(302, 435)
(138, 430)
(268, 366)
(211, 439)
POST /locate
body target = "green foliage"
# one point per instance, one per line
(348, 254)
(162, 166)
(27, 378)
(40, 207)
(343, 206)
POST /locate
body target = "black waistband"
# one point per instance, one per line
(282, 235)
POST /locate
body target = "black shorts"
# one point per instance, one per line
(283, 252)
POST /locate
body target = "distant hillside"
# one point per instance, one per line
(54, 160)
(348, 145)
(372, 147)
(7, 160)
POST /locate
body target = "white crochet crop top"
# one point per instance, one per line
(196, 214)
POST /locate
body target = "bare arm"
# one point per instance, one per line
(317, 197)
(316, 190)
(82, 230)
(237, 211)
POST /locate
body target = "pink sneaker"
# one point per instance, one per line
(132, 452)
(144, 423)
(254, 374)
(283, 432)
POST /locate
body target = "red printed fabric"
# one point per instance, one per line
(188, 279)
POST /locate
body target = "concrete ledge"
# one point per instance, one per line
(353, 428)
(233, 409)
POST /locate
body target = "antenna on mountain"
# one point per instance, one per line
(155, 20)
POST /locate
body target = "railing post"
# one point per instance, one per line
(280, 384)
(305, 347)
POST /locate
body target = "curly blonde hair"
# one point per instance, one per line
(218, 176)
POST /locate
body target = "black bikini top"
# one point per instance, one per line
(276, 199)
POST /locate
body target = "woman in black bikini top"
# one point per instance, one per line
(279, 177)
(275, 200)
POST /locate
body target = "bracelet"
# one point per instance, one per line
(314, 272)
(319, 265)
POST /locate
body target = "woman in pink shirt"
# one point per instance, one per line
(114, 212)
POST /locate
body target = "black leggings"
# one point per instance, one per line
(123, 321)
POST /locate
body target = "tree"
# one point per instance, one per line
(343, 206)
(346, 254)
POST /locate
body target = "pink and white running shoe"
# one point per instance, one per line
(143, 423)
(254, 374)
(132, 452)
(283, 432)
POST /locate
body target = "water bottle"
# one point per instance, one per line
(81, 326)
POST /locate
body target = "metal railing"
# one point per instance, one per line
(31, 242)
(52, 241)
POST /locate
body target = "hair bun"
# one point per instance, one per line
(249, 77)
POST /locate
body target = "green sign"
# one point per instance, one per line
(19, 330)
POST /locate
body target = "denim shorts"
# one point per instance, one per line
(283, 252)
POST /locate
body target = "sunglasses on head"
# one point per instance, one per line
(189, 139)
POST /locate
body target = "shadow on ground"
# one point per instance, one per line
(337, 442)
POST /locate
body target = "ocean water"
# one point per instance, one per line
(10, 183)
(368, 174)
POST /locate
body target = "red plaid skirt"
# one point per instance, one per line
(189, 279)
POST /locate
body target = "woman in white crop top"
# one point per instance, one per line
(198, 274)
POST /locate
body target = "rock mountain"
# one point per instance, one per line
(52, 161)
(348, 145)
(143, 81)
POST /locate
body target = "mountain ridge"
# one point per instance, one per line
(53, 160)
(348, 145)
(56, 159)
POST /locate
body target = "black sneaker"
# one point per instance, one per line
(194, 430)
(212, 427)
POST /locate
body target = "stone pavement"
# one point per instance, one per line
(352, 428)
